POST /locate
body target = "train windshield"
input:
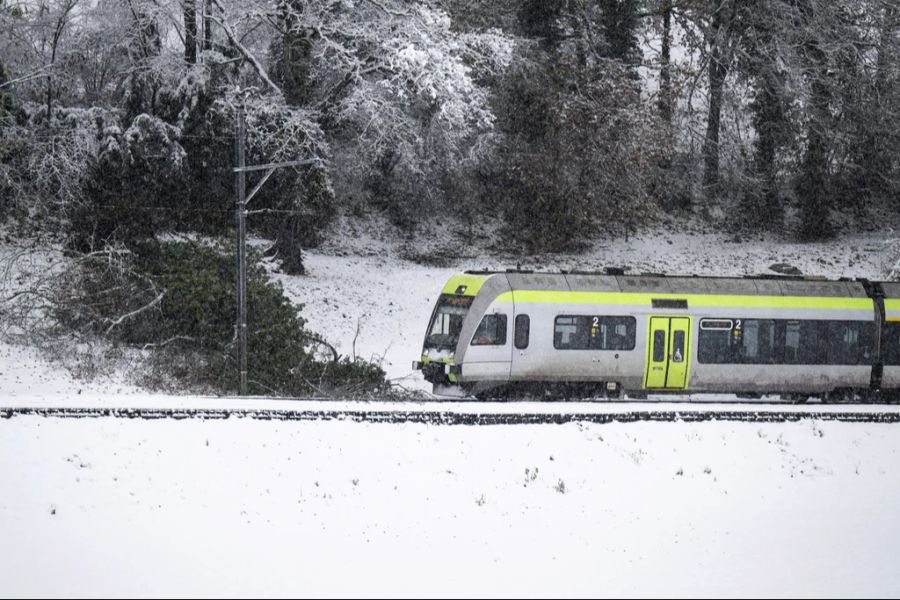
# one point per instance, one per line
(447, 321)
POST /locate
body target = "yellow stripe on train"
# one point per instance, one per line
(727, 300)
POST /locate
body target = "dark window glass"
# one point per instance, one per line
(804, 343)
(758, 343)
(891, 344)
(714, 345)
(792, 342)
(447, 320)
(678, 346)
(659, 345)
(594, 333)
(523, 326)
(491, 331)
(850, 342)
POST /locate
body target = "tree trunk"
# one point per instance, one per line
(190, 31)
(813, 188)
(885, 47)
(5, 98)
(207, 25)
(50, 79)
(768, 119)
(297, 48)
(718, 70)
(879, 143)
(665, 73)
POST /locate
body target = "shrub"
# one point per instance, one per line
(134, 184)
(180, 299)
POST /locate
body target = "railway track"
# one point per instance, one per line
(476, 414)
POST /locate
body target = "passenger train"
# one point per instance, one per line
(607, 333)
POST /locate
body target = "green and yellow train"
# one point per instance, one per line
(605, 333)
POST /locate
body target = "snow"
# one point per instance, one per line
(388, 302)
(109, 507)
(245, 507)
(28, 378)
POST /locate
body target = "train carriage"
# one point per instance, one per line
(607, 332)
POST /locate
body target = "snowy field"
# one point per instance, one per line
(108, 507)
(241, 507)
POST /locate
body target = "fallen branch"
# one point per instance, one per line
(135, 313)
(169, 341)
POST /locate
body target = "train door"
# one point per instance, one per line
(668, 350)
(489, 352)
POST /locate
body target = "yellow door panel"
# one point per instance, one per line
(680, 330)
(657, 353)
(668, 353)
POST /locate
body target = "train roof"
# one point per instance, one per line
(617, 281)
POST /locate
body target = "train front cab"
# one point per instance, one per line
(452, 327)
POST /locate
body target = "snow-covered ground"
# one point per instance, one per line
(109, 507)
(244, 507)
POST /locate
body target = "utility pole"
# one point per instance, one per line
(241, 291)
(241, 169)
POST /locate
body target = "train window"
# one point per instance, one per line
(891, 348)
(565, 334)
(659, 345)
(713, 346)
(523, 327)
(794, 342)
(758, 342)
(594, 333)
(850, 342)
(803, 343)
(447, 321)
(747, 341)
(491, 331)
(678, 346)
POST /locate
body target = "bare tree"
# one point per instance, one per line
(61, 19)
(665, 69)
(189, 8)
(720, 38)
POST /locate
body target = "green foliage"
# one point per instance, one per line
(134, 185)
(181, 299)
(619, 23)
(540, 19)
(577, 154)
(200, 304)
(301, 200)
(207, 136)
